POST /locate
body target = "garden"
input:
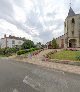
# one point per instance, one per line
(6, 52)
(68, 56)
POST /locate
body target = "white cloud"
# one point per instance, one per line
(35, 19)
(13, 30)
(28, 5)
(19, 14)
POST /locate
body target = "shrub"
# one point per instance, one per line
(26, 51)
(3, 51)
(32, 49)
(21, 52)
(11, 50)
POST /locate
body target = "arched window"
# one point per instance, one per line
(72, 21)
(65, 24)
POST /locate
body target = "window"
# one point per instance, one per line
(72, 33)
(13, 42)
(65, 24)
(79, 33)
(79, 22)
(72, 21)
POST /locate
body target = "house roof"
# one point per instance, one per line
(13, 37)
(71, 12)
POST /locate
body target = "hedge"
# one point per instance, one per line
(26, 51)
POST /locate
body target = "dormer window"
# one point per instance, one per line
(72, 21)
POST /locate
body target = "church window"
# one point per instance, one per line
(79, 33)
(65, 24)
(72, 33)
(79, 24)
(72, 21)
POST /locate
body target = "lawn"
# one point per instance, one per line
(65, 55)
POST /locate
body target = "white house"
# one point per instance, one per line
(11, 41)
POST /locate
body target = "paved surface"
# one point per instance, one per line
(25, 77)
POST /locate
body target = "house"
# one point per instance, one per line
(38, 45)
(49, 45)
(71, 37)
(11, 41)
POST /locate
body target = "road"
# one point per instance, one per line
(24, 77)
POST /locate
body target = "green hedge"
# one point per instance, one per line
(26, 51)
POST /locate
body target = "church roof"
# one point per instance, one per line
(71, 12)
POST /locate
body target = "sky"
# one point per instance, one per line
(37, 20)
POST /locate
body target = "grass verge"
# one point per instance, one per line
(65, 55)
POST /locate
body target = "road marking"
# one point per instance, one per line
(31, 82)
(15, 90)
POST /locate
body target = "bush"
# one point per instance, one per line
(21, 52)
(26, 51)
(3, 51)
(32, 49)
(11, 50)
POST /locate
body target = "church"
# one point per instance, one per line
(71, 37)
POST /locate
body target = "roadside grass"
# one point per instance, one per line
(1, 56)
(65, 55)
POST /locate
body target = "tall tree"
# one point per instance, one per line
(28, 44)
(54, 44)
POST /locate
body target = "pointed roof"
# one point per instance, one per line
(71, 12)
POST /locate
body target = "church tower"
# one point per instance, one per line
(72, 29)
(71, 37)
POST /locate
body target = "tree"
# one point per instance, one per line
(54, 44)
(28, 44)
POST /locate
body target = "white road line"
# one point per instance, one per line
(31, 82)
(15, 90)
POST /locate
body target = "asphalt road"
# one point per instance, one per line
(25, 77)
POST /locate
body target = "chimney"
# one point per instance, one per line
(5, 36)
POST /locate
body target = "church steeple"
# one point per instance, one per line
(71, 12)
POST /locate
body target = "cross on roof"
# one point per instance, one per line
(70, 4)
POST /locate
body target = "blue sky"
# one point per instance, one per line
(38, 20)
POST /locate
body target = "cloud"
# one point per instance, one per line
(9, 28)
(35, 19)
(5, 8)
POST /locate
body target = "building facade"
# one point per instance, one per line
(71, 37)
(11, 42)
(49, 45)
